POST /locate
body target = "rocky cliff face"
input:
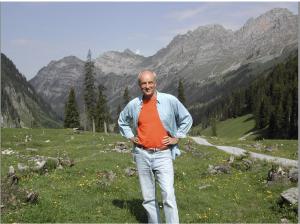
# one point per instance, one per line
(119, 63)
(198, 57)
(20, 105)
(53, 82)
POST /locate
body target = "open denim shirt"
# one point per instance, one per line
(174, 116)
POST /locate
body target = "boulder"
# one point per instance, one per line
(31, 197)
(290, 195)
(277, 175)
(39, 165)
(211, 169)
(7, 152)
(223, 168)
(77, 130)
(106, 178)
(11, 171)
(121, 147)
(130, 171)
(28, 138)
(32, 149)
(284, 221)
(218, 169)
(231, 159)
(293, 175)
(22, 167)
(66, 162)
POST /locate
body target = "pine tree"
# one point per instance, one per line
(214, 126)
(294, 113)
(126, 97)
(116, 129)
(287, 110)
(181, 96)
(102, 111)
(263, 116)
(71, 113)
(89, 90)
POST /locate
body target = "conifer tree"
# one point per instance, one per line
(181, 95)
(102, 111)
(89, 90)
(71, 119)
(126, 97)
(214, 126)
(294, 113)
(116, 129)
(287, 109)
(263, 116)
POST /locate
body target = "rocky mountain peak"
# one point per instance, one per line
(129, 52)
(118, 62)
(65, 61)
(274, 19)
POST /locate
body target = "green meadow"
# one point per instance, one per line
(77, 194)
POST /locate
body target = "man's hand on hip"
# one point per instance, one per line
(167, 140)
(134, 140)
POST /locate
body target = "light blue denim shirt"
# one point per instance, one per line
(174, 116)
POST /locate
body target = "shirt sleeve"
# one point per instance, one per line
(124, 121)
(183, 118)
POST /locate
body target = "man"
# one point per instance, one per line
(159, 120)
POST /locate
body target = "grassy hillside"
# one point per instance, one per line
(78, 193)
(233, 128)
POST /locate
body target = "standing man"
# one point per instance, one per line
(158, 120)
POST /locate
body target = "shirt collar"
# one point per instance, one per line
(158, 98)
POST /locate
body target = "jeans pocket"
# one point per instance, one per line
(136, 150)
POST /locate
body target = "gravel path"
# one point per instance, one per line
(239, 151)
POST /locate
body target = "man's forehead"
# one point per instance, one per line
(147, 76)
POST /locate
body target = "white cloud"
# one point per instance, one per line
(21, 42)
(138, 51)
(185, 14)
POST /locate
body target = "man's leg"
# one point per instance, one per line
(165, 177)
(147, 182)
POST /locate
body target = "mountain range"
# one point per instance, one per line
(205, 59)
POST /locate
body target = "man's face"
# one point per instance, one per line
(147, 84)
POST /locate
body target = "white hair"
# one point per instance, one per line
(144, 71)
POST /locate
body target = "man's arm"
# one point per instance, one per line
(184, 120)
(124, 120)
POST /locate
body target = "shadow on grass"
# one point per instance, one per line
(134, 206)
(249, 119)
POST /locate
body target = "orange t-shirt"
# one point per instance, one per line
(150, 130)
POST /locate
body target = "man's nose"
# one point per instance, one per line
(147, 85)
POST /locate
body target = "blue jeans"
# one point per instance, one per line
(157, 166)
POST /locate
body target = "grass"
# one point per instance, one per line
(233, 128)
(73, 194)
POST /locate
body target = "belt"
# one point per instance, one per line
(152, 149)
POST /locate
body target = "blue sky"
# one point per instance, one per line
(33, 34)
